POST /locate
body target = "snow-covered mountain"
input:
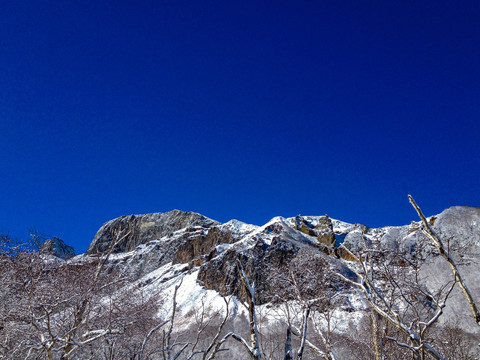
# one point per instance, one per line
(165, 246)
(295, 263)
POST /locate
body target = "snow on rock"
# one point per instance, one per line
(202, 257)
(140, 229)
(238, 228)
(56, 247)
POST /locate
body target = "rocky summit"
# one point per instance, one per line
(56, 247)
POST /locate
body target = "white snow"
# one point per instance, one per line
(238, 228)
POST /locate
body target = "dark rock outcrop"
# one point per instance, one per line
(196, 246)
(188, 246)
(58, 248)
(144, 228)
(260, 263)
(304, 226)
(324, 231)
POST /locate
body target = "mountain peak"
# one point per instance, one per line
(56, 247)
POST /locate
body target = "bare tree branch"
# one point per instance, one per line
(437, 242)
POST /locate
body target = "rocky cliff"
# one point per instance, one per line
(163, 246)
(144, 228)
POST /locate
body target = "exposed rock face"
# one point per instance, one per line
(184, 246)
(260, 262)
(264, 253)
(144, 228)
(191, 245)
(323, 229)
(304, 226)
(203, 244)
(58, 248)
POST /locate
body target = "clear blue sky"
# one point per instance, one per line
(235, 109)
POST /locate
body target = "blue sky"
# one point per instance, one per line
(243, 110)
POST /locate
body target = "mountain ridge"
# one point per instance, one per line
(212, 247)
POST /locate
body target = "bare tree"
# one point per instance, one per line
(305, 285)
(253, 348)
(167, 348)
(213, 344)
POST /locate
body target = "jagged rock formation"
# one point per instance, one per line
(181, 243)
(195, 247)
(267, 253)
(58, 248)
(189, 245)
(144, 228)
(260, 262)
(323, 230)
(192, 245)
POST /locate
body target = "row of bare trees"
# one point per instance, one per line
(53, 309)
(57, 309)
